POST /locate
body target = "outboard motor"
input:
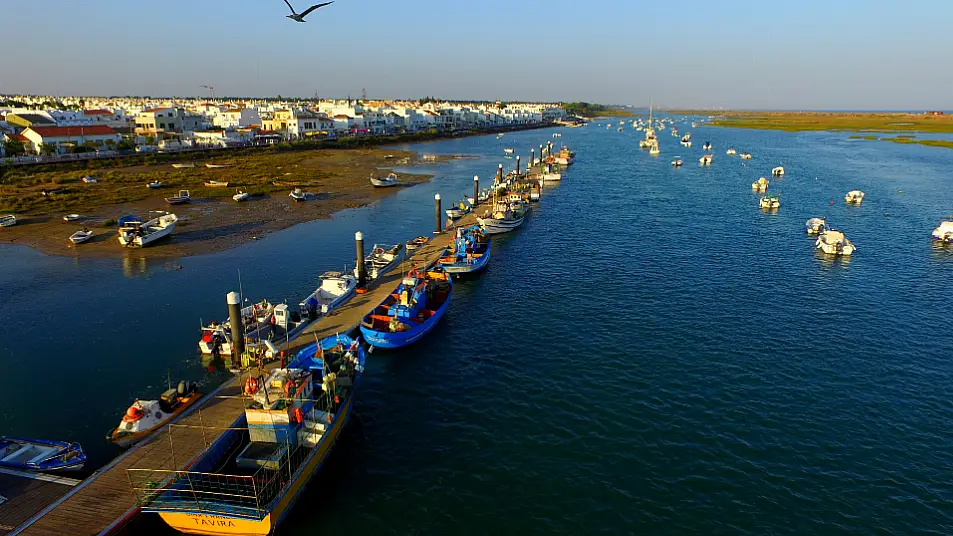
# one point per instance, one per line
(181, 389)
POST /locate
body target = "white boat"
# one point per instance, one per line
(834, 243)
(745, 156)
(8, 220)
(137, 235)
(382, 258)
(336, 288)
(509, 150)
(854, 196)
(677, 162)
(534, 195)
(457, 212)
(654, 150)
(707, 146)
(552, 177)
(217, 336)
(89, 179)
(944, 233)
(705, 160)
(146, 416)
(183, 197)
(216, 184)
(778, 171)
(815, 226)
(217, 166)
(81, 236)
(770, 202)
(72, 217)
(416, 243)
(240, 195)
(298, 195)
(154, 185)
(731, 152)
(184, 166)
(389, 180)
(760, 185)
(503, 219)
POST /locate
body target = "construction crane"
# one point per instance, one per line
(212, 89)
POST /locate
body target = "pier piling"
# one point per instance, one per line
(476, 190)
(439, 227)
(541, 154)
(532, 158)
(499, 174)
(235, 320)
(361, 269)
(517, 165)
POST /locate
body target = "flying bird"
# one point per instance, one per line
(300, 17)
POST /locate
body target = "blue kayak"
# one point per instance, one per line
(411, 311)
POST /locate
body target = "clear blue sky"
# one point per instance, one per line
(805, 54)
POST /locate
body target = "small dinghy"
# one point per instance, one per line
(815, 226)
(730, 152)
(72, 217)
(707, 146)
(705, 160)
(184, 166)
(745, 156)
(388, 181)
(413, 245)
(760, 185)
(217, 166)
(382, 258)
(40, 455)
(183, 197)
(154, 185)
(469, 252)
(854, 197)
(240, 195)
(145, 416)
(216, 184)
(8, 220)
(778, 171)
(509, 150)
(298, 195)
(677, 162)
(336, 288)
(81, 236)
(458, 211)
(411, 311)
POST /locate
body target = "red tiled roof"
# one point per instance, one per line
(62, 132)
(97, 112)
(18, 137)
(341, 116)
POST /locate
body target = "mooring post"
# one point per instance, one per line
(517, 165)
(541, 155)
(361, 269)
(499, 174)
(439, 227)
(235, 319)
(532, 158)
(476, 190)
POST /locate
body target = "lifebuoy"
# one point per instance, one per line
(251, 386)
(379, 251)
(298, 415)
(413, 273)
(133, 414)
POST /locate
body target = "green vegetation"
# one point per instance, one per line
(869, 138)
(110, 222)
(857, 122)
(585, 109)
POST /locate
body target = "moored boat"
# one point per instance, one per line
(385, 182)
(944, 232)
(72, 217)
(677, 162)
(706, 146)
(552, 177)
(705, 160)
(730, 152)
(146, 416)
(81, 236)
(469, 252)
(457, 211)
(834, 243)
(770, 202)
(778, 171)
(504, 218)
(217, 337)
(136, 235)
(183, 197)
(216, 184)
(411, 311)
(509, 150)
(382, 258)
(745, 156)
(154, 185)
(40, 455)
(184, 166)
(413, 245)
(815, 226)
(298, 195)
(336, 288)
(760, 185)
(854, 197)
(7, 220)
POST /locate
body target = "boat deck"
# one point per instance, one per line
(24, 495)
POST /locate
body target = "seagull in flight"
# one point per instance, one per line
(300, 17)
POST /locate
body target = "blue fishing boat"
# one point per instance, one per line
(470, 251)
(411, 311)
(40, 455)
(249, 478)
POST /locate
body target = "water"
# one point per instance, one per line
(649, 354)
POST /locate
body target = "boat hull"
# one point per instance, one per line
(384, 339)
(460, 268)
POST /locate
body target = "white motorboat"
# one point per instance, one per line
(834, 243)
(552, 177)
(240, 195)
(72, 217)
(217, 166)
(154, 185)
(770, 202)
(184, 166)
(40, 455)
(136, 235)
(855, 197)
(503, 219)
(416, 243)
(146, 416)
(298, 195)
(336, 288)
(944, 233)
(760, 185)
(382, 258)
(706, 146)
(389, 180)
(705, 160)
(216, 184)
(815, 226)
(745, 156)
(183, 197)
(81, 236)
(778, 171)
(730, 152)
(509, 150)
(458, 211)
(677, 162)
(686, 144)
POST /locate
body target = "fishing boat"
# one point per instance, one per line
(81, 236)
(137, 234)
(730, 152)
(469, 251)
(385, 182)
(298, 195)
(834, 243)
(217, 337)
(944, 232)
(336, 288)
(217, 166)
(184, 166)
(677, 162)
(687, 137)
(216, 184)
(457, 211)
(413, 245)
(854, 197)
(411, 311)
(770, 202)
(778, 171)
(551, 177)
(705, 160)
(503, 218)
(240, 195)
(182, 198)
(382, 258)
(146, 416)
(815, 226)
(745, 156)
(72, 217)
(247, 480)
(40, 455)
(509, 150)
(154, 185)
(760, 185)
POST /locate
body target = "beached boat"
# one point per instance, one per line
(534, 195)
(944, 232)
(457, 211)
(677, 162)
(382, 259)
(778, 171)
(298, 195)
(770, 202)
(745, 156)
(411, 311)
(136, 234)
(730, 152)
(760, 185)
(217, 166)
(184, 166)
(705, 160)
(855, 197)
(72, 217)
(146, 416)
(834, 243)
(504, 218)
(216, 184)
(385, 182)
(183, 197)
(81, 236)
(413, 245)
(247, 480)
(40, 455)
(565, 157)
(89, 179)
(815, 226)
(240, 195)
(336, 288)
(154, 185)
(469, 251)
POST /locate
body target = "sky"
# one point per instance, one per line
(806, 54)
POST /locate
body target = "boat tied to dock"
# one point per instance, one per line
(411, 311)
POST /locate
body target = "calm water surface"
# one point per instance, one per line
(650, 354)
